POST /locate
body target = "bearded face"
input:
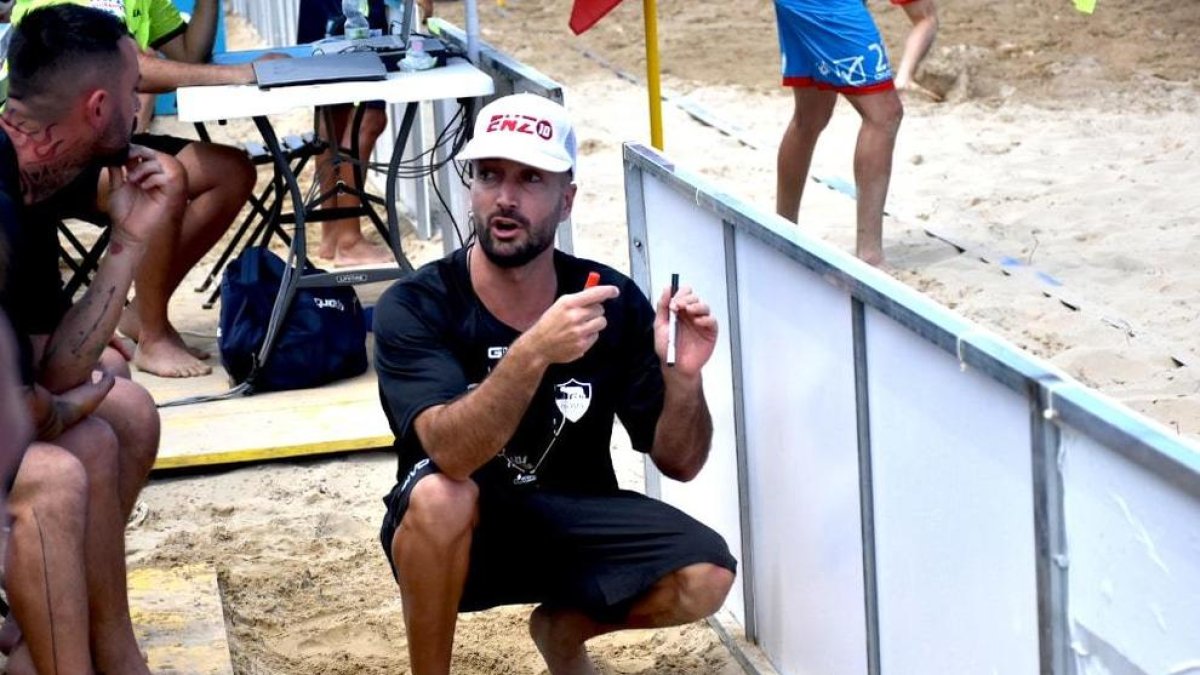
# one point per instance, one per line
(516, 210)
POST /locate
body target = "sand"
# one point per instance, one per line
(1068, 144)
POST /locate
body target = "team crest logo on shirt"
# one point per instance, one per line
(573, 398)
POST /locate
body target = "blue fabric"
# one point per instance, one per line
(833, 42)
(321, 339)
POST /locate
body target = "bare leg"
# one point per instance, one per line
(220, 180)
(342, 240)
(431, 550)
(881, 114)
(145, 113)
(44, 570)
(129, 411)
(684, 596)
(114, 646)
(923, 15)
(812, 113)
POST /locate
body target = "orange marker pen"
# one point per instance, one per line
(592, 280)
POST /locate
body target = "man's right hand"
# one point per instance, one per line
(570, 326)
(148, 192)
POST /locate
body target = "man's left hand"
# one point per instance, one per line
(54, 414)
(695, 330)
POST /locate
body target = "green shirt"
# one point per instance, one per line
(152, 23)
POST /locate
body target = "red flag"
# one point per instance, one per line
(586, 13)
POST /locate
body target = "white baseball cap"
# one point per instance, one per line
(525, 128)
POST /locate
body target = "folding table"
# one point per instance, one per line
(457, 80)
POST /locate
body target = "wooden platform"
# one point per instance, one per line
(179, 621)
(340, 417)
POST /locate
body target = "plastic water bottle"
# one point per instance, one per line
(415, 57)
(357, 27)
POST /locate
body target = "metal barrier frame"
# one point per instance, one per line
(1055, 400)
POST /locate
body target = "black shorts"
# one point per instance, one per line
(594, 553)
(78, 198)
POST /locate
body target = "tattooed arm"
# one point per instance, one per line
(142, 195)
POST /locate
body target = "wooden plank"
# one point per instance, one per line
(342, 417)
(339, 417)
(179, 621)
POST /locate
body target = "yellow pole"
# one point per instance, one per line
(653, 85)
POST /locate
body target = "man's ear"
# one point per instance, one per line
(96, 109)
(569, 199)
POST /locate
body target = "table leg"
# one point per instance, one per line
(410, 113)
(298, 255)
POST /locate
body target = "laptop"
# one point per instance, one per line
(347, 67)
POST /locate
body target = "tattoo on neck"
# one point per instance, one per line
(48, 158)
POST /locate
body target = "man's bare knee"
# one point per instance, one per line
(442, 508)
(884, 111)
(811, 123)
(374, 123)
(131, 412)
(214, 166)
(94, 442)
(703, 588)
(50, 480)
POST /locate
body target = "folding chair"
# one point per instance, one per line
(265, 208)
(81, 259)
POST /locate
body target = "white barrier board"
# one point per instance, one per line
(712, 497)
(953, 500)
(1133, 543)
(798, 370)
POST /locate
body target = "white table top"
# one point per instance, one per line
(457, 79)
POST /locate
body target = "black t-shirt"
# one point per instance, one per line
(31, 292)
(435, 340)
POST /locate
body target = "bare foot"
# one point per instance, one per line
(362, 252)
(130, 326)
(168, 357)
(874, 260)
(559, 644)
